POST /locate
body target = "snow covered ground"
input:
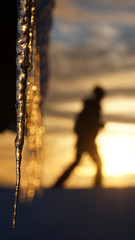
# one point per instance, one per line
(71, 214)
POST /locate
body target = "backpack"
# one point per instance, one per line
(87, 120)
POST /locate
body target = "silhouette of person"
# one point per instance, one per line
(87, 125)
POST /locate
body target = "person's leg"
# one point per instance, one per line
(96, 158)
(68, 171)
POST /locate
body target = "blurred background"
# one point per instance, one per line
(91, 43)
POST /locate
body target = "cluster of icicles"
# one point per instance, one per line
(28, 97)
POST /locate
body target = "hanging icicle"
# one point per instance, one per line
(22, 63)
(28, 96)
(24, 50)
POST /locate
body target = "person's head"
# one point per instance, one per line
(99, 93)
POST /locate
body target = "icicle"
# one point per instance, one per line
(22, 49)
(28, 97)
